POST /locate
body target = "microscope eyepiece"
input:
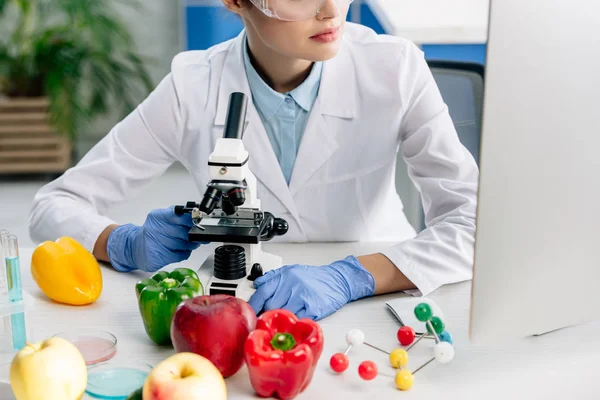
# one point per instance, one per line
(236, 116)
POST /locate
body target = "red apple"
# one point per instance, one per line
(214, 327)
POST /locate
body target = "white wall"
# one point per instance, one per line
(434, 21)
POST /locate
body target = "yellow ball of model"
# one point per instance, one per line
(404, 379)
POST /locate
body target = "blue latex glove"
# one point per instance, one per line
(162, 240)
(313, 292)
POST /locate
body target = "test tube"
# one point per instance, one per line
(6, 323)
(13, 269)
(10, 244)
(3, 284)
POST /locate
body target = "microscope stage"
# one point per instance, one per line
(230, 230)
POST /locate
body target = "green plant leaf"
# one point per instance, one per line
(78, 53)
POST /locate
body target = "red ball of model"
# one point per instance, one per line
(406, 335)
(367, 370)
(339, 362)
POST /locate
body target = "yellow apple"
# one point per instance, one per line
(185, 376)
(51, 370)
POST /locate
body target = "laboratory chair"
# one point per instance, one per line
(461, 85)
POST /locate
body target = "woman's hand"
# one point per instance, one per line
(162, 240)
(313, 292)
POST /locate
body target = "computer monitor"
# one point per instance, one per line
(537, 246)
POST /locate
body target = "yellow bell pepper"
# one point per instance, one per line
(66, 272)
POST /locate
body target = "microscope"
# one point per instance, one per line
(230, 213)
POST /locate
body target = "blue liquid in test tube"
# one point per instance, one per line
(18, 330)
(10, 246)
(13, 279)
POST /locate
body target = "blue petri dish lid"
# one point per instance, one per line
(116, 380)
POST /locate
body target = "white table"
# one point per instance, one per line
(561, 365)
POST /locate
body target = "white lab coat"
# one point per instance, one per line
(377, 96)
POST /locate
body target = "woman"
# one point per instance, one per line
(332, 104)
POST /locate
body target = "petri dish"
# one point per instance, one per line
(116, 380)
(95, 346)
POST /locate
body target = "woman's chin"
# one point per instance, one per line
(323, 51)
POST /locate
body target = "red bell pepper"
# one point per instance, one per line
(282, 353)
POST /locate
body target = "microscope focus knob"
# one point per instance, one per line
(280, 226)
(256, 272)
(179, 210)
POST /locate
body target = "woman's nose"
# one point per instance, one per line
(330, 9)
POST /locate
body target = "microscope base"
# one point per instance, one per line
(241, 288)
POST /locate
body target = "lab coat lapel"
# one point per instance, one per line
(318, 144)
(263, 162)
(337, 99)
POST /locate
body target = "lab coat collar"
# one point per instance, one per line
(337, 98)
(268, 100)
(233, 79)
(337, 91)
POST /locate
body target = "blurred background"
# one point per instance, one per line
(71, 69)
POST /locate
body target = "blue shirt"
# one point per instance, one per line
(284, 116)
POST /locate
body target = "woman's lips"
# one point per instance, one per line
(327, 35)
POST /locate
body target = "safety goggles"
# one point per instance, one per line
(293, 10)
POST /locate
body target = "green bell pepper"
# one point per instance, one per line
(159, 296)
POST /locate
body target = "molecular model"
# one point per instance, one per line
(443, 351)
